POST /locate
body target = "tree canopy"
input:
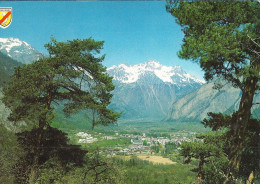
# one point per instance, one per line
(72, 75)
(213, 149)
(224, 38)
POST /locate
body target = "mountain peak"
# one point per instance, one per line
(153, 63)
(169, 74)
(19, 50)
(148, 89)
(8, 43)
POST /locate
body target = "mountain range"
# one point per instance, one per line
(146, 90)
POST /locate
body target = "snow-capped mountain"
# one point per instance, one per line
(19, 50)
(147, 90)
(167, 74)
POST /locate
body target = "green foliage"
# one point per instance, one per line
(155, 148)
(7, 65)
(78, 121)
(9, 153)
(250, 154)
(217, 121)
(54, 151)
(96, 170)
(145, 143)
(108, 143)
(170, 148)
(142, 172)
(158, 134)
(210, 154)
(52, 172)
(223, 37)
(101, 170)
(218, 35)
(71, 75)
(250, 160)
(214, 151)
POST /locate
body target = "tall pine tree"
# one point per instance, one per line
(224, 38)
(72, 75)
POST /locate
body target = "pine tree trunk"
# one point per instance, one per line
(200, 174)
(240, 122)
(33, 176)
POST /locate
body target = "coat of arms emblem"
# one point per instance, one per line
(5, 17)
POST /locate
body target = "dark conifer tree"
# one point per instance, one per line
(224, 38)
(72, 75)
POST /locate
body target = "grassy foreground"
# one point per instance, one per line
(139, 171)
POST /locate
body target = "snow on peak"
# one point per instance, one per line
(8, 43)
(153, 64)
(131, 73)
(19, 50)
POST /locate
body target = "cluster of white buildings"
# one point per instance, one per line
(177, 139)
(86, 138)
(139, 143)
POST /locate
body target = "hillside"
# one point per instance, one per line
(196, 105)
(7, 65)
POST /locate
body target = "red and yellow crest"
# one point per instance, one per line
(5, 17)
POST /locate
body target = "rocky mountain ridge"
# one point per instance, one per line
(167, 74)
(147, 90)
(195, 105)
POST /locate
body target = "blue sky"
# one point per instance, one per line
(133, 31)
